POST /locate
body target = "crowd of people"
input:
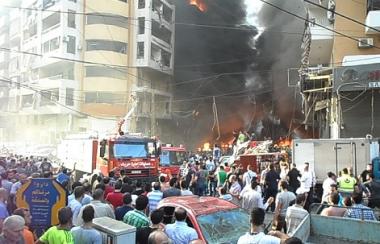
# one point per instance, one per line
(281, 190)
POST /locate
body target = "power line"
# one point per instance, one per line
(116, 67)
(225, 27)
(342, 15)
(238, 93)
(308, 21)
(56, 102)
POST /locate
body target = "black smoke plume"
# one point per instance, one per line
(237, 61)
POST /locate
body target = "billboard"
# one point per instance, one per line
(43, 198)
(357, 78)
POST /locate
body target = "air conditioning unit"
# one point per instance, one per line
(365, 42)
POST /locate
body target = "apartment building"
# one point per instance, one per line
(96, 60)
(340, 88)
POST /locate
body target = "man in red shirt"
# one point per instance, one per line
(116, 197)
(108, 188)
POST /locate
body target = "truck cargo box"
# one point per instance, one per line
(333, 155)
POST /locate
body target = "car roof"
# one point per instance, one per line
(198, 205)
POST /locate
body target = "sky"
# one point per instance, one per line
(253, 7)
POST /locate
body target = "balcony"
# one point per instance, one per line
(51, 98)
(106, 57)
(106, 32)
(108, 84)
(321, 41)
(110, 6)
(373, 20)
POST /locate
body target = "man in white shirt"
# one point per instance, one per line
(308, 181)
(256, 234)
(249, 176)
(253, 199)
(101, 209)
(295, 214)
(327, 185)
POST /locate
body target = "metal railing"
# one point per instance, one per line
(317, 208)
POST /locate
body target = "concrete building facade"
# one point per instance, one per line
(94, 59)
(339, 88)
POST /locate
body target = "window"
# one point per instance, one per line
(71, 19)
(45, 47)
(141, 4)
(48, 3)
(373, 5)
(49, 97)
(107, 19)
(71, 44)
(165, 58)
(161, 32)
(51, 21)
(123, 1)
(114, 46)
(141, 25)
(69, 96)
(167, 13)
(101, 71)
(27, 101)
(74, 1)
(90, 97)
(222, 221)
(104, 97)
(30, 31)
(167, 107)
(51, 45)
(140, 50)
(54, 44)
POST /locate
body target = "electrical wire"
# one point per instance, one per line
(342, 15)
(308, 21)
(232, 94)
(224, 27)
(56, 102)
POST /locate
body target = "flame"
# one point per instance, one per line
(200, 4)
(206, 146)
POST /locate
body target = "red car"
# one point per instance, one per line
(214, 219)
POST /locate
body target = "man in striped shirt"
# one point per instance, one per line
(137, 217)
(154, 197)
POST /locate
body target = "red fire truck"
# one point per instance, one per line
(136, 154)
(171, 158)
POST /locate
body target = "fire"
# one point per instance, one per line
(200, 4)
(206, 146)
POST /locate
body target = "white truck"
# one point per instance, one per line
(333, 155)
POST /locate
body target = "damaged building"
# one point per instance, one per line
(79, 66)
(340, 86)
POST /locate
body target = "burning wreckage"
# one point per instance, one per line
(256, 153)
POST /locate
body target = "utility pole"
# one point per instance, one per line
(153, 115)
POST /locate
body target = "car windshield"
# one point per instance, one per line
(224, 226)
(133, 150)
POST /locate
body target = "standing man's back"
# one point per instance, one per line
(180, 232)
